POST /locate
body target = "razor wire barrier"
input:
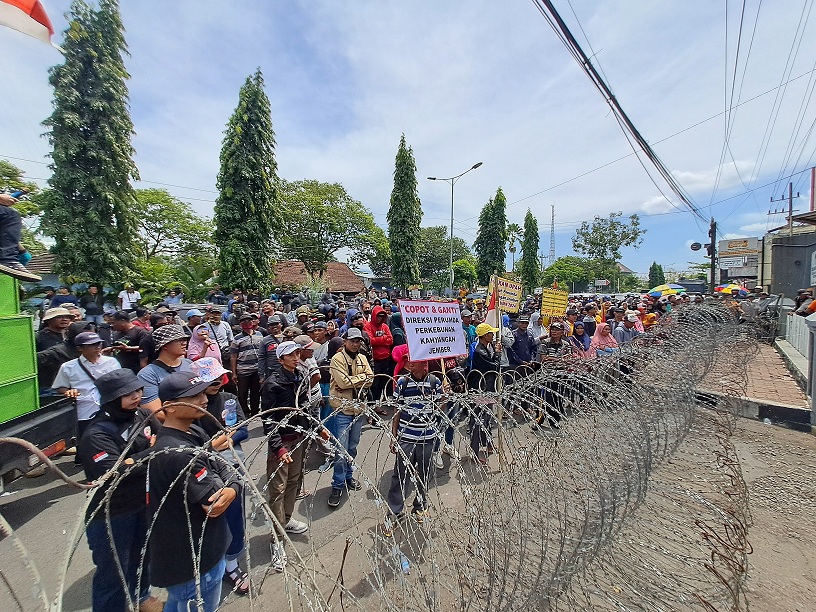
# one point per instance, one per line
(577, 485)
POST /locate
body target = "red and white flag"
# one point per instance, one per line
(493, 316)
(28, 17)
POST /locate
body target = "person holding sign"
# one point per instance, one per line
(414, 429)
(483, 376)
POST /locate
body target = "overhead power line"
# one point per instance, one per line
(633, 136)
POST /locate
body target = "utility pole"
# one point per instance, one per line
(790, 207)
(712, 252)
(552, 236)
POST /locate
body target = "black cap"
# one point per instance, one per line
(307, 327)
(181, 384)
(116, 384)
(618, 309)
(245, 317)
(524, 319)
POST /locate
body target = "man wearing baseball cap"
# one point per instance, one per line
(287, 398)
(189, 494)
(76, 378)
(194, 317)
(626, 332)
(483, 376)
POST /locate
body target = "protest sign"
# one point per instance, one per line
(554, 303)
(432, 329)
(508, 293)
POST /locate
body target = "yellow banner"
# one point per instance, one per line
(554, 303)
(508, 296)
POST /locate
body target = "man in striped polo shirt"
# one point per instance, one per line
(245, 352)
(415, 427)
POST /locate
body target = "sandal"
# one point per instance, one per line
(303, 493)
(239, 579)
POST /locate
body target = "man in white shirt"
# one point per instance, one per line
(129, 298)
(76, 378)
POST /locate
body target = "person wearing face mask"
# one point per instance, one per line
(245, 353)
(118, 526)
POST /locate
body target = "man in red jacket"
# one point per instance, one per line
(381, 343)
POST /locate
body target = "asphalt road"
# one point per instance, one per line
(45, 513)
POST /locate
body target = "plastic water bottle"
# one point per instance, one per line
(230, 412)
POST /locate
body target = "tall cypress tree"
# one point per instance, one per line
(656, 275)
(89, 211)
(245, 219)
(491, 239)
(404, 217)
(529, 267)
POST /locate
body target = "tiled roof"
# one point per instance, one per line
(338, 276)
(42, 264)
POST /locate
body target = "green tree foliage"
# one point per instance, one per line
(491, 238)
(195, 276)
(529, 266)
(322, 219)
(602, 240)
(90, 212)
(567, 269)
(435, 244)
(245, 211)
(404, 217)
(656, 275)
(169, 228)
(514, 234)
(464, 273)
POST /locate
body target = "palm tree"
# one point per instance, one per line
(514, 233)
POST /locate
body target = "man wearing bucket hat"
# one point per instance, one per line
(171, 346)
(76, 378)
(189, 494)
(119, 426)
(54, 323)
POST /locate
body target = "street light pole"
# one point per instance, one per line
(452, 180)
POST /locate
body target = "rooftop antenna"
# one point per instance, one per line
(552, 237)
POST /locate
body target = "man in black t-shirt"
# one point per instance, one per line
(128, 340)
(189, 493)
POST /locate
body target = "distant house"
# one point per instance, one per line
(43, 265)
(624, 270)
(339, 278)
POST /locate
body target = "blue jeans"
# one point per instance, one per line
(129, 533)
(95, 319)
(349, 430)
(326, 411)
(235, 521)
(182, 597)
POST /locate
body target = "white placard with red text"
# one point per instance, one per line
(432, 329)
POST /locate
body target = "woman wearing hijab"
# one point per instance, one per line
(202, 344)
(603, 343)
(536, 328)
(580, 341)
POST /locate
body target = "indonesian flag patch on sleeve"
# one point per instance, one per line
(100, 456)
(201, 474)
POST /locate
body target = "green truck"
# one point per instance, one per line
(47, 421)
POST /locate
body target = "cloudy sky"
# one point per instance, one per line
(469, 82)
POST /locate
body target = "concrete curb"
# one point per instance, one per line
(795, 362)
(793, 417)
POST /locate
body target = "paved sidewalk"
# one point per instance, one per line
(769, 379)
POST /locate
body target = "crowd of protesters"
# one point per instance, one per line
(318, 372)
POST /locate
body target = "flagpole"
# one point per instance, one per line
(499, 378)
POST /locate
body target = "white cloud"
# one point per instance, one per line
(480, 81)
(753, 229)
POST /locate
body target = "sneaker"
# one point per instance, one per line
(450, 451)
(437, 461)
(353, 484)
(19, 271)
(419, 515)
(327, 465)
(334, 498)
(294, 526)
(279, 559)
